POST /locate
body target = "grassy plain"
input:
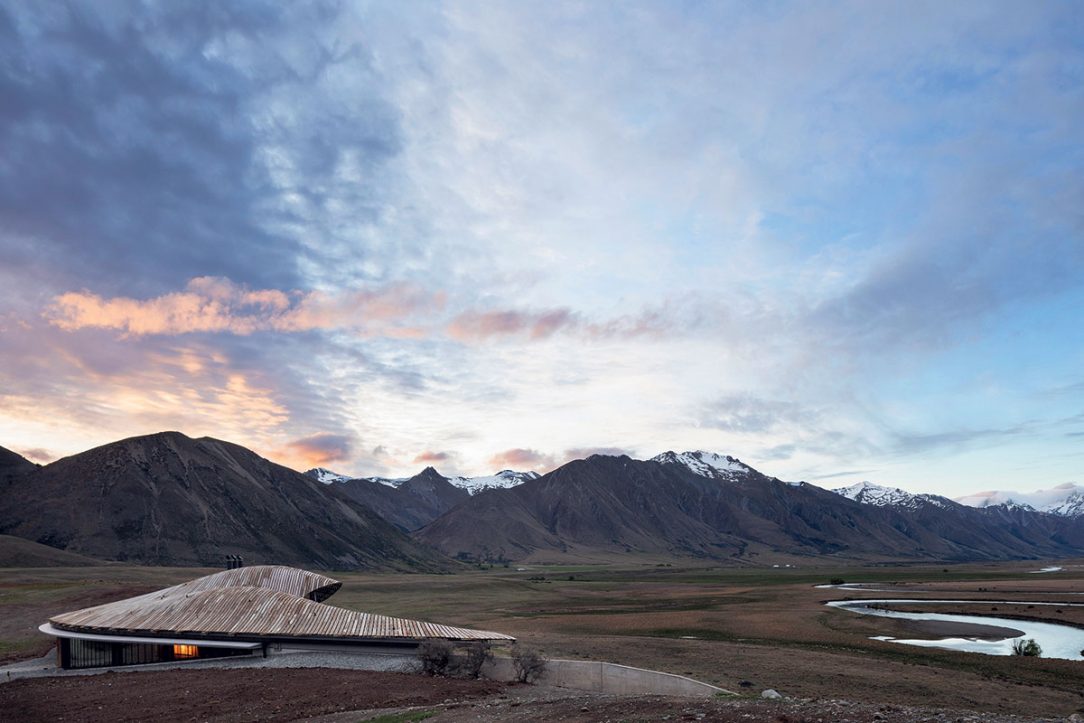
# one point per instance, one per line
(766, 627)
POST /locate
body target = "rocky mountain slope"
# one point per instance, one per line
(703, 505)
(501, 480)
(14, 465)
(868, 493)
(166, 499)
(414, 503)
(473, 485)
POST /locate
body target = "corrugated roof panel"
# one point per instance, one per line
(275, 604)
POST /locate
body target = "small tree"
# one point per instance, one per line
(475, 655)
(435, 656)
(528, 664)
(1028, 648)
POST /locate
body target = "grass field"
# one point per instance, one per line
(767, 627)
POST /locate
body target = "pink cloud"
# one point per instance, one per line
(477, 325)
(522, 459)
(37, 454)
(473, 326)
(210, 304)
(318, 450)
(429, 457)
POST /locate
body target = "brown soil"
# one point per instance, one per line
(524, 705)
(338, 696)
(227, 695)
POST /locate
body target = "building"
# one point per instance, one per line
(244, 611)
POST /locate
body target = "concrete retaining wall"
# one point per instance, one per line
(608, 678)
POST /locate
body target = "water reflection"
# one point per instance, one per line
(1057, 641)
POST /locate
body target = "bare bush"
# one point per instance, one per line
(475, 655)
(528, 664)
(435, 657)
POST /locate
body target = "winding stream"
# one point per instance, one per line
(1056, 640)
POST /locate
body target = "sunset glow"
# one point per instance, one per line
(839, 241)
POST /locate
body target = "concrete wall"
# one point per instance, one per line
(608, 678)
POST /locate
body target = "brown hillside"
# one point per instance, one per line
(604, 505)
(166, 499)
(413, 504)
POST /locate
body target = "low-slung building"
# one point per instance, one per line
(235, 612)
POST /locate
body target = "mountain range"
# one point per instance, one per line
(501, 480)
(704, 505)
(167, 499)
(1065, 499)
(413, 502)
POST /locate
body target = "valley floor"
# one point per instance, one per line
(741, 629)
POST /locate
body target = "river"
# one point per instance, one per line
(1056, 640)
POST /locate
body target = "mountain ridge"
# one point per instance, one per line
(692, 504)
(499, 480)
(168, 499)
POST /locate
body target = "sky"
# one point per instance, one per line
(841, 241)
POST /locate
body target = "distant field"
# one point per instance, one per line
(724, 626)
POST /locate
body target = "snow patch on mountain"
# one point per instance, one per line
(326, 476)
(1066, 500)
(389, 481)
(502, 480)
(868, 493)
(706, 464)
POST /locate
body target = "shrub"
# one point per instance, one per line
(435, 656)
(440, 658)
(1028, 648)
(475, 655)
(527, 663)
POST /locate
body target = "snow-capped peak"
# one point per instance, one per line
(868, 493)
(502, 480)
(706, 464)
(388, 481)
(1066, 500)
(326, 476)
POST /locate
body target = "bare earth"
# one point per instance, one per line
(233, 695)
(336, 696)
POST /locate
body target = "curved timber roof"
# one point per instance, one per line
(222, 605)
(292, 580)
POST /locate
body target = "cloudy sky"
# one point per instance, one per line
(841, 241)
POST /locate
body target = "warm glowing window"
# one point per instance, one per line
(185, 651)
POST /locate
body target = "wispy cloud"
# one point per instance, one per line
(219, 305)
(37, 454)
(430, 457)
(532, 459)
(320, 449)
(475, 325)
(523, 459)
(446, 229)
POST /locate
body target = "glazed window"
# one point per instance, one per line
(180, 652)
